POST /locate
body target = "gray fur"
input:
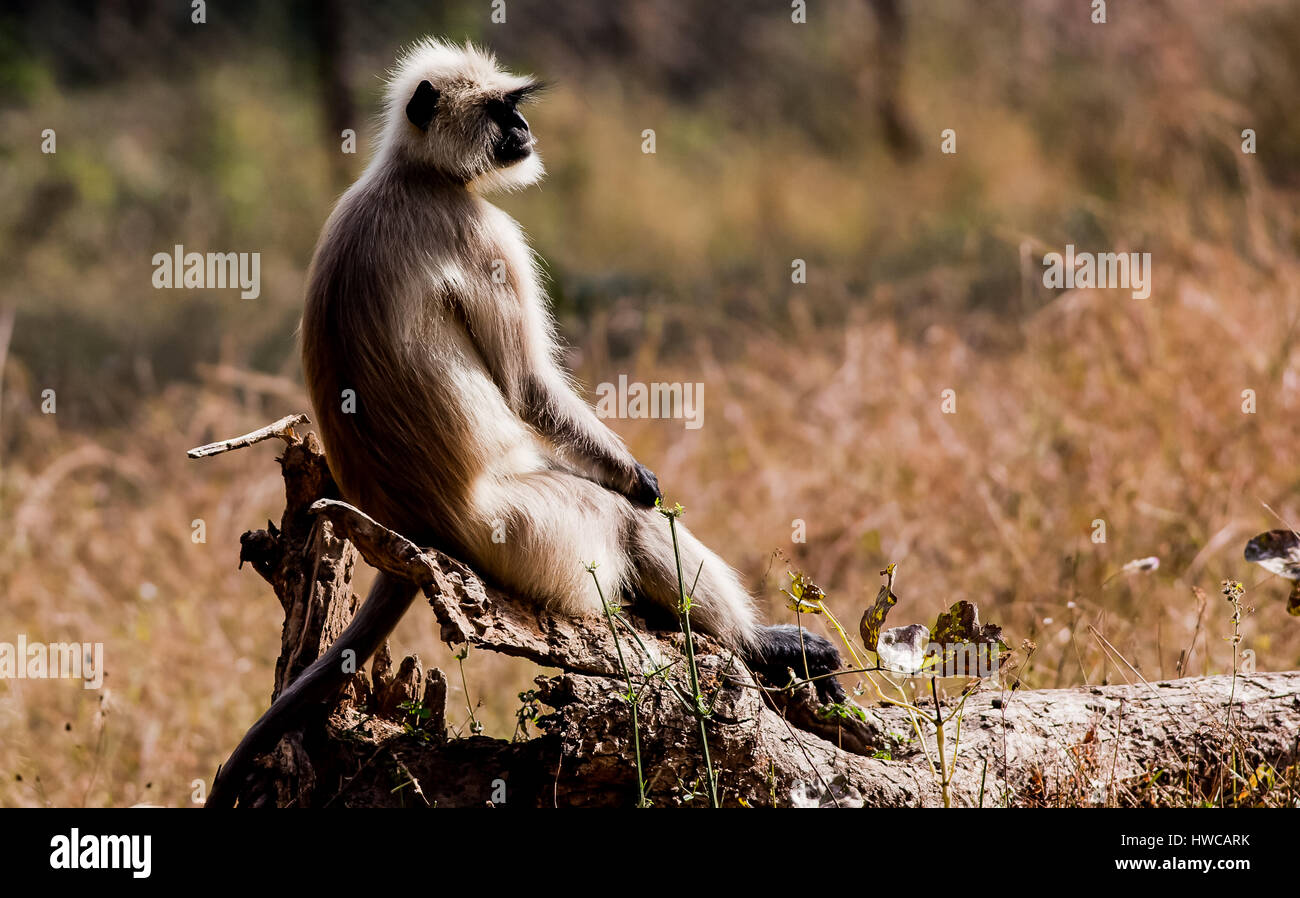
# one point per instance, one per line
(465, 423)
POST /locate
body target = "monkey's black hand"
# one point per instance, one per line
(645, 486)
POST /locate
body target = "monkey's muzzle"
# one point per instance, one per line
(514, 145)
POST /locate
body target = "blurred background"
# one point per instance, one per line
(822, 403)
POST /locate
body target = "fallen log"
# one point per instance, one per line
(384, 741)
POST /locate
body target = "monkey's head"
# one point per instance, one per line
(453, 109)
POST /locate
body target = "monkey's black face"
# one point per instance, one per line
(474, 132)
(516, 141)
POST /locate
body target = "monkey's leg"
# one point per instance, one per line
(723, 607)
(545, 525)
(536, 531)
(720, 604)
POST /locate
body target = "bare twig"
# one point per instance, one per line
(282, 429)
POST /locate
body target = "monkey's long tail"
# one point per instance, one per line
(383, 609)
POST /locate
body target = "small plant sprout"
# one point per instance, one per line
(701, 711)
(530, 708)
(1234, 592)
(632, 696)
(475, 726)
(806, 597)
(417, 715)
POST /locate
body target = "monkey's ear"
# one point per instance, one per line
(423, 105)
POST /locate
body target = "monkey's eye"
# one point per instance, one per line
(523, 94)
(505, 115)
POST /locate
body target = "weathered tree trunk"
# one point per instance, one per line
(384, 742)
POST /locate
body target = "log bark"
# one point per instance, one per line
(384, 741)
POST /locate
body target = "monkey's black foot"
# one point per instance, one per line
(782, 649)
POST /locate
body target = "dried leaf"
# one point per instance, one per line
(874, 618)
(804, 595)
(1277, 551)
(961, 623)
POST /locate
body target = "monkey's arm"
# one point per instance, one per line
(550, 404)
(516, 342)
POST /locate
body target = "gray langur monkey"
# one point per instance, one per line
(425, 300)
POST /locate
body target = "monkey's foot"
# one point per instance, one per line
(786, 647)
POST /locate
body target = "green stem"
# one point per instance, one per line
(700, 714)
(474, 726)
(938, 736)
(632, 697)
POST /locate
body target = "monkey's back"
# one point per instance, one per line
(425, 422)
